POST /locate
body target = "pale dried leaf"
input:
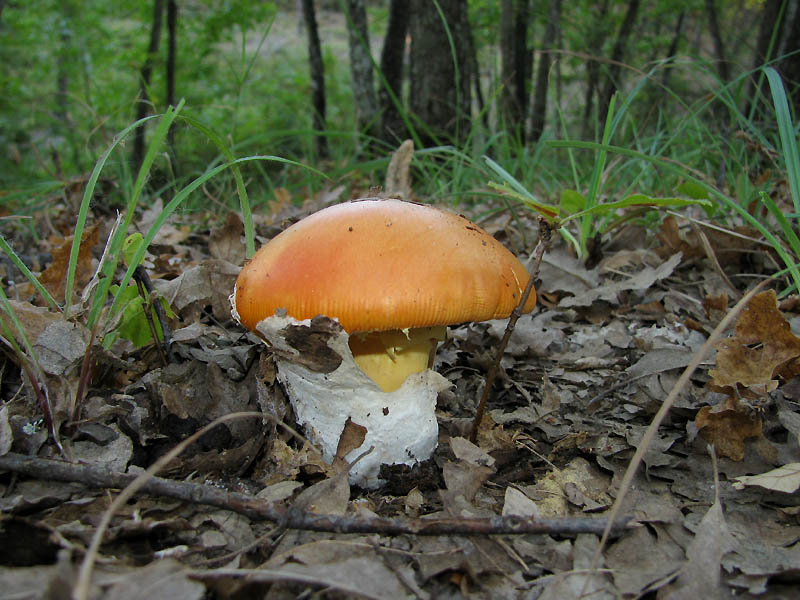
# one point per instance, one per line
(783, 479)
(6, 433)
(700, 576)
(163, 579)
(518, 504)
(327, 497)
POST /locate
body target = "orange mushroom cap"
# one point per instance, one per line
(382, 264)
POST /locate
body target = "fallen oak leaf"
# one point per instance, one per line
(727, 426)
(762, 349)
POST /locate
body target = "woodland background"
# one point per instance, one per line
(347, 81)
(147, 149)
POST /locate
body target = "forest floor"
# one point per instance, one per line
(236, 515)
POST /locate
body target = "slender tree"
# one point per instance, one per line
(617, 56)
(317, 76)
(673, 48)
(172, 50)
(475, 72)
(789, 65)
(393, 128)
(596, 39)
(770, 30)
(143, 103)
(361, 67)
(392, 59)
(515, 64)
(723, 69)
(539, 109)
(439, 69)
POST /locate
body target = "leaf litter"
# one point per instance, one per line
(580, 380)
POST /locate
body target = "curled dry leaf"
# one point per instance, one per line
(727, 426)
(762, 349)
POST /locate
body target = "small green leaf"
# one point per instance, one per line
(693, 190)
(546, 210)
(638, 200)
(571, 202)
(133, 324)
(131, 246)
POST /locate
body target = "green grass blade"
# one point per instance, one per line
(84, 209)
(597, 173)
(4, 246)
(787, 135)
(241, 190)
(153, 148)
(712, 191)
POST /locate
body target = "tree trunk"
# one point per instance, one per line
(789, 67)
(617, 56)
(515, 65)
(595, 44)
(143, 104)
(439, 73)
(769, 39)
(539, 111)
(475, 71)
(172, 49)
(317, 77)
(719, 49)
(673, 49)
(390, 95)
(361, 68)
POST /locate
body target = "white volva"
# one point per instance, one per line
(401, 425)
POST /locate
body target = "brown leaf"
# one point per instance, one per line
(762, 348)
(727, 427)
(54, 277)
(674, 241)
(700, 576)
(352, 437)
(326, 497)
(225, 243)
(718, 303)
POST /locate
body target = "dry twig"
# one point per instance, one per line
(544, 242)
(283, 516)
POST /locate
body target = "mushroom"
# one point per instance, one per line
(393, 274)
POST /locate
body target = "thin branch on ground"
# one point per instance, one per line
(259, 510)
(545, 231)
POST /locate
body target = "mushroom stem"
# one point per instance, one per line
(388, 357)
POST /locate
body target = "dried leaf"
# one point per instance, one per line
(327, 497)
(353, 435)
(6, 433)
(518, 504)
(726, 426)
(397, 183)
(783, 479)
(762, 348)
(469, 452)
(225, 243)
(54, 277)
(355, 569)
(642, 280)
(700, 576)
(165, 579)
